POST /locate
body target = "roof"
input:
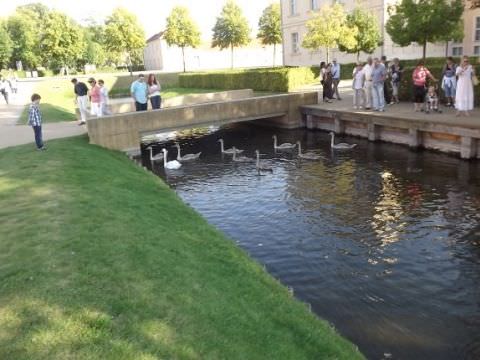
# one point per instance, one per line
(155, 37)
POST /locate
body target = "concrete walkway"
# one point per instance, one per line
(12, 133)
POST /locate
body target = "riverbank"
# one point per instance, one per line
(101, 260)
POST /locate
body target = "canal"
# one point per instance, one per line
(382, 242)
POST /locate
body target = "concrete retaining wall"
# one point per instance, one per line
(452, 137)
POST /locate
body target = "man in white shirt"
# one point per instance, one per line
(367, 70)
(336, 78)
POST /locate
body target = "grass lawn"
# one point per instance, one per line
(101, 260)
(58, 103)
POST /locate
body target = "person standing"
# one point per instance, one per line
(154, 92)
(464, 94)
(420, 76)
(35, 121)
(378, 80)
(449, 81)
(386, 90)
(5, 89)
(367, 70)
(396, 71)
(326, 81)
(81, 98)
(336, 78)
(358, 87)
(103, 98)
(139, 92)
(95, 98)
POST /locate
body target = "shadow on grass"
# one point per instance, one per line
(50, 113)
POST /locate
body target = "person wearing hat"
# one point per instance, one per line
(95, 98)
(81, 98)
(139, 93)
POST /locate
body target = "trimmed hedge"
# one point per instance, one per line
(281, 79)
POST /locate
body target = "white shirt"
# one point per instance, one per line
(358, 80)
(104, 95)
(367, 70)
(336, 71)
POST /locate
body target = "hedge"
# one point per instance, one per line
(281, 79)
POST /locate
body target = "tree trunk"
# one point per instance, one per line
(446, 48)
(130, 64)
(326, 49)
(424, 50)
(183, 58)
(274, 53)
(358, 56)
(232, 56)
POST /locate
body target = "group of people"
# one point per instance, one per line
(377, 83)
(7, 87)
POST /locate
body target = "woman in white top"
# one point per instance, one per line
(154, 92)
(103, 98)
(464, 92)
(358, 84)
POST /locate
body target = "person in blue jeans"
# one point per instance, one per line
(35, 121)
(378, 79)
(139, 93)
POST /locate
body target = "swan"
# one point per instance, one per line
(187, 157)
(308, 155)
(240, 158)
(174, 164)
(262, 166)
(340, 146)
(228, 151)
(284, 146)
(156, 157)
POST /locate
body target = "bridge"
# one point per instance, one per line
(124, 131)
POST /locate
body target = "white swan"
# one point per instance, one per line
(187, 157)
(340, 146)
(240, 158)
(228, 151)
(284, 146)
(262, 166)
(308, 155)
(157, 157)
(174, 164)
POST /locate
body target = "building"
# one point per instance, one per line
(295, 14)
(159, 56)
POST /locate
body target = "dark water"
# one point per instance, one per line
(382, 242)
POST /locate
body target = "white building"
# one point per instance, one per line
(295, 14)
(159, 56)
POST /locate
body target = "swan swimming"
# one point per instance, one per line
(308, 155)
(240, 158)
(340, 146)
(228, 151)
(262, 166)
(157, 157)
(187, 157)
(284, 146)
(172, 165)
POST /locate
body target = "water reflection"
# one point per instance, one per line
(381, 241)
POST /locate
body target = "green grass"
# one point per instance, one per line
(101, 260)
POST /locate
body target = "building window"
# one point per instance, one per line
(476, 50)
(314, 4)
(477, 28)
(457, 51)
(294, 43)
(293, 7)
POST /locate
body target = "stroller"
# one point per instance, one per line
(432, 100)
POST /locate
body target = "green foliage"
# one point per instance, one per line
(281, 79)
(231, 28)
(181, 30)
(6, 46)
(367, 32)
(269, 27)
(424, 21)
(25, 38)
(124, 35)
(63, 42)
(328, 28)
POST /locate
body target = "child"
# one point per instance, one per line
(35, 121)
(358, 84)
(103, 98)
(432, 100)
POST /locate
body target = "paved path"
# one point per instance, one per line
(12, 134)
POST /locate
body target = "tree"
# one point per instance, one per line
(231, 29)
(25, 40)
(181, 30)
(367, 30)
(63, 42)
(328, 28)
(123, 34)
(6, 48)
(423, 21)
(270, 29)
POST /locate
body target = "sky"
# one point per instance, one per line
(151, 13)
